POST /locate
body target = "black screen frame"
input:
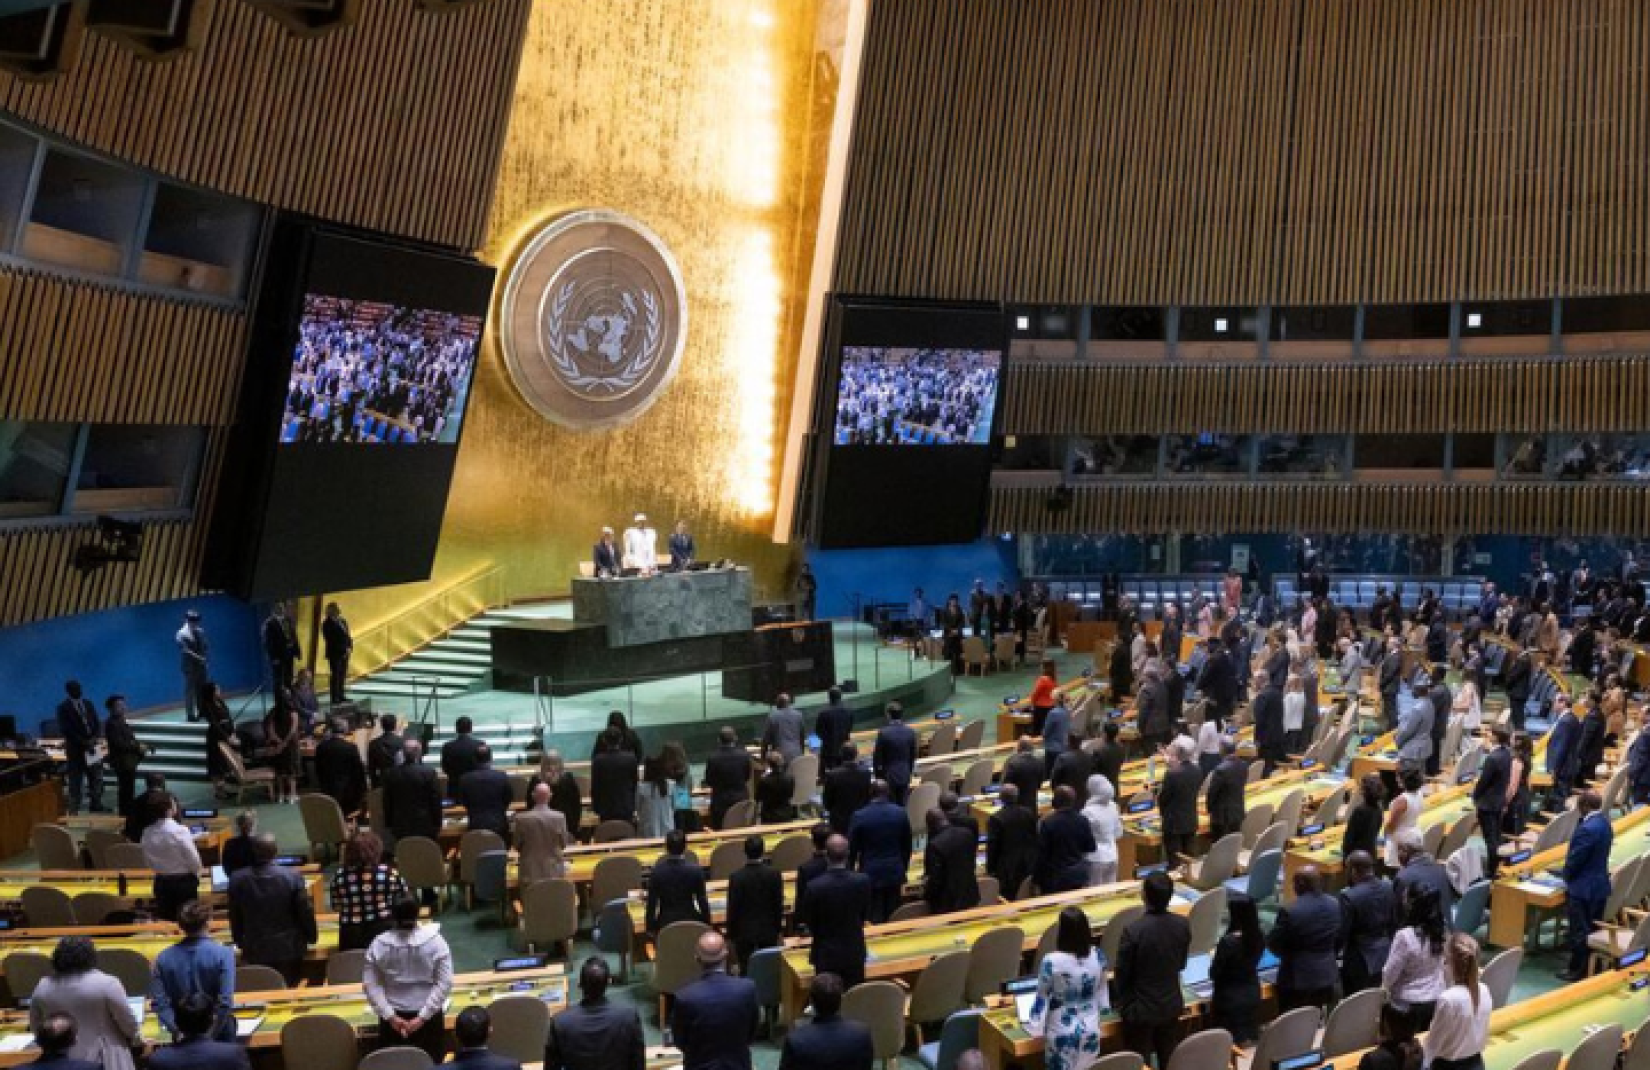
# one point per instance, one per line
(924, 495)
(295, 519)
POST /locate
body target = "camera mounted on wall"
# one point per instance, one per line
(118, 542)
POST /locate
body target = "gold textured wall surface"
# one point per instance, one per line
(701, 120)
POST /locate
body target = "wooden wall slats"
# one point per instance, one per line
(394, 123)
(1580, 394)
(1250, 151)
(1422, 509)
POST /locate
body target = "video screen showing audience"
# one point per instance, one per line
(916, 397)
(365, 372)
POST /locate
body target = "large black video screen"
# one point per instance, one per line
(370, 373)
(901, 396)
(359, 374)
(903, 435)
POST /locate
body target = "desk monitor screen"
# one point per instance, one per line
(291, 860)
(1518, 857)
(944, 715)
(1142, 806)
(1632, 958)
(520, 962)
(1019, 985)
(203, 812)
(1310, 1060)
(1312, 830)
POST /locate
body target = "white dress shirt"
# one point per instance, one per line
(1413, 974)
(1458, 1031)
(641, 548)
(169, 848)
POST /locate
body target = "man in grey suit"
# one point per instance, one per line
(1415, 734)
(1304, 940)
(785, 729)
(541, 836)
(193, 650)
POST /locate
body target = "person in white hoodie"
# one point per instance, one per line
(408, 978)
(1107, 825)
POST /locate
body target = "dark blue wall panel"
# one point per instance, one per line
(888, 575)
(130, 651)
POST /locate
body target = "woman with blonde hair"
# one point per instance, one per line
(1461, 1024)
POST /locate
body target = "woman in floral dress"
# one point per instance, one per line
(1071, 996)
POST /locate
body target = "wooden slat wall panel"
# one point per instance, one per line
(81, 351)
(1211, 152)
(1427, 509)
(394, 124)
(1591, 394)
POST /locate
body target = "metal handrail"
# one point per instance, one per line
(428, 619)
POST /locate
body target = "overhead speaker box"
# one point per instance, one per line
(310, 18)
(43, 41)
(155, 29)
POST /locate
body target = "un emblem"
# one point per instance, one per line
(594, 319)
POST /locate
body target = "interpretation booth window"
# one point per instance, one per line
(34, 467)
(137, 468)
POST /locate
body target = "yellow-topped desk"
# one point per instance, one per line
(1143, 832)
(1558, 1020)
(149, 939)
(135, 886)
(904, 948)
(1440, 808)
(1531, 886)
(273, 1010)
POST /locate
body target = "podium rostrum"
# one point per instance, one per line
(639, 610)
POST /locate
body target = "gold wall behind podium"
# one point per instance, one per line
(707, 121)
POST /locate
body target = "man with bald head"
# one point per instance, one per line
(412, 796)
(715, 1017)
(541, 836)
(1304, 940)
(834, 909)
(879, 841)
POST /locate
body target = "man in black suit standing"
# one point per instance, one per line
(727, 775)
(1064, 843)
(1107, 755)
(847, 790)
(82, 740)
(833, 726)
(715, 1017)
(948, 881)
(486, 795)
(1218, 682)
(1025, 771)
(462, 753)
(338, 645)
(1177, 804)
(280, 645)
(756, 904)
(1489, 794)
(835, 910)
(1389, 680)
(1149, 960)
(338, 769)
(1304, 940)
(595, 1034)
(472, 1029)
(676, 887)
(613, 778)
(1442, 700)
(1267, 710)
(1011, 842)
(197, 1015)
(386, 751)
(880, 838)
(1225, 797)
(1369, 913)
(412, 796)
(828, 1041)
(895, 755)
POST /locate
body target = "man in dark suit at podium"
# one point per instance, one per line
(604, 556)
(681, 547)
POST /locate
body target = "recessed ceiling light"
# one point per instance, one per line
(1475, 319)
(1220, 326)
